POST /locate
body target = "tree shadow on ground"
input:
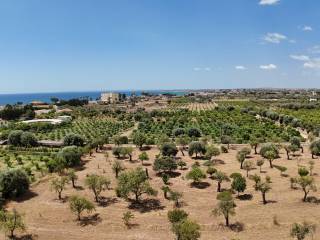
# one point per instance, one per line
(26, 237)
(170, 174)
(200, 185)
(237, 227)
(313, 199)
(146, 205)
(26, 196)
(78, 188)
(106, 201)
(245, 197)
(91, 220)
(132, 225)
(218, 161)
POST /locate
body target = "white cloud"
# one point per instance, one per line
(274, 37)
(268, 67)
(300, 57)
(240, 67)
(197, 69)
(307, 28)
(313, 64)
(315, 49)
(268, 2)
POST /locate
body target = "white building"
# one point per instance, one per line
(110, 97)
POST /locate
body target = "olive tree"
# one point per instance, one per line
(97, 184)
(117, 167)
(307, 184)
(196, 147)
(11, 221)
(225, 207)
(58, 185)
(195, 174)
(315, 148)
(300, 231)
(134, 182)
(79, 204)
(220, 177)
(73, 140)
(13, 183)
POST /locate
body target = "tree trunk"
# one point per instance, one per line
(59, 195)
(241, 165)
(302, 149)
(270, 162)
(79, 217)
(219, 187)
(73, 184)
(264, 198)
(305, 196)
(182, 152)
(288, 156)
(255, 150)
(227, 220)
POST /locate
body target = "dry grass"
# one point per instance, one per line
(47, 218)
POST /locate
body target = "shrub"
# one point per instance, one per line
(13, 183)
(69, 156)
(73, 140)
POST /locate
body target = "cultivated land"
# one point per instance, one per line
(104, 135)
(49, 218)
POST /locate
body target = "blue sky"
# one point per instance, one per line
(81, 45)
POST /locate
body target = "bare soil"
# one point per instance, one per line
(48, 218)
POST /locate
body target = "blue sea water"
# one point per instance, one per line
(45, 97)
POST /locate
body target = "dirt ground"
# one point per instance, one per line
(48, 218)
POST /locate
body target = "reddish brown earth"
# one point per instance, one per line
(48, 218)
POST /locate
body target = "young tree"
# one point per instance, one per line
(127, 217)
(164, 164)
(175, 197)
(296, 141)
(260, 163)
(117, 167)
(139, 139)
(72, 176)
(254, 143)
(196, 147)
(196, 174)
(307, 184)
(212, 151)
(11, 221)
(58, 185)
(270, 155)
(79, 204)
(300, 231)
(315, 148)
(135, 182)
(177, 215)
(226, 206)
(220, 177)
(187, 230)
(97, 184)
(263, 187)
(182, 164)
(248, 166)
(182, 141)
(239, 183)
(241, 158)
(143, 157)
(269, 151)
(165, 190)
(168, 149)
(211, 171)
(225, 139)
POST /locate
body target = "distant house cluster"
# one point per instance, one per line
(112, 97)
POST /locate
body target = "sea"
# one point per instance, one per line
(26, 98)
